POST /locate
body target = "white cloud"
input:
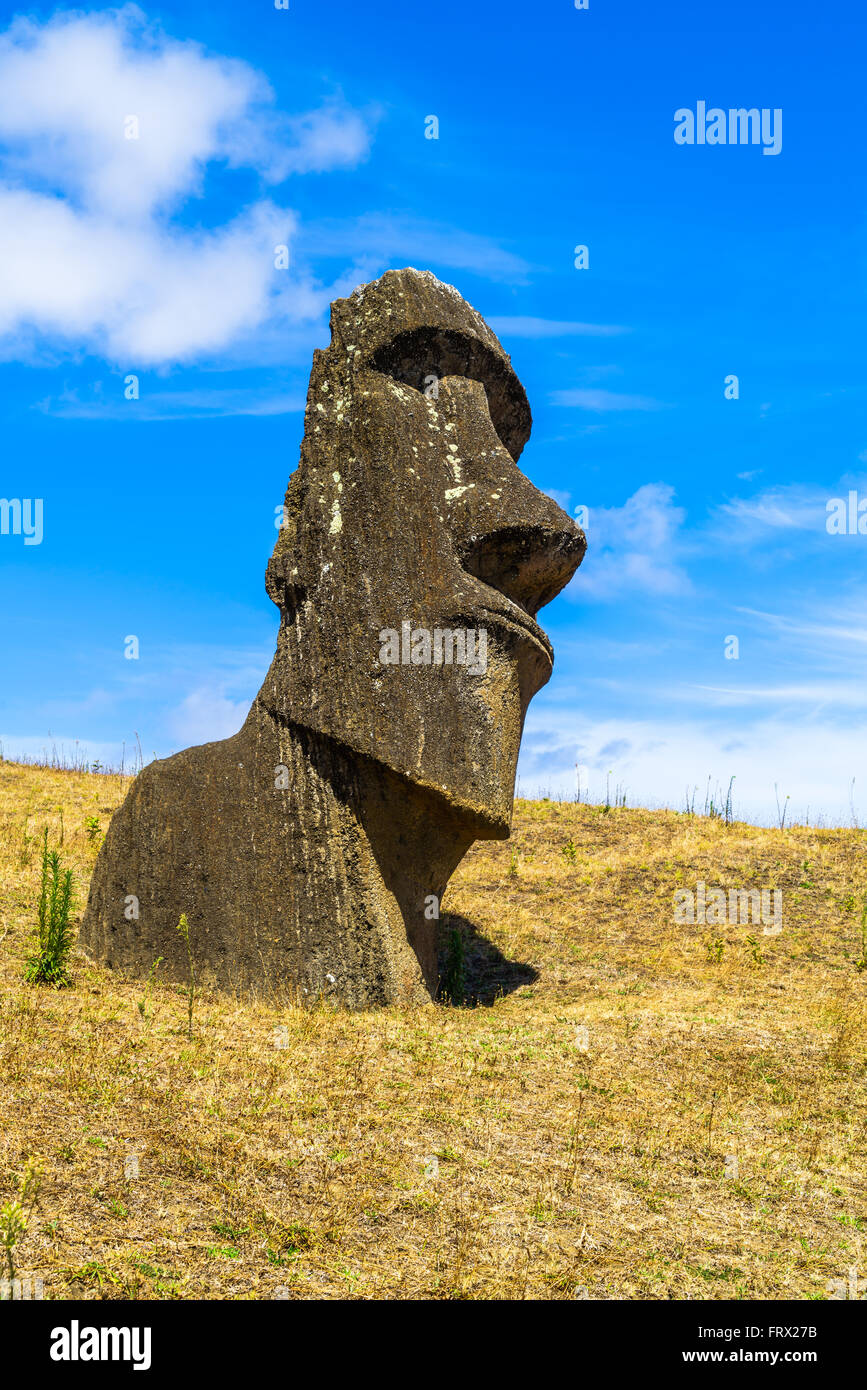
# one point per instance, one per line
(330, 138)
(144, 294)
(205, 716)
(87, 251)
(64, 751)
(633, 547)
(68, 87)
(561, 498)
(657, 760)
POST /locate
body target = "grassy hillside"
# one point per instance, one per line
(491, 1150)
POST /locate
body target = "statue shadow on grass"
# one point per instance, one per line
(473, 972)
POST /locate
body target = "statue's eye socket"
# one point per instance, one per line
(421, 357)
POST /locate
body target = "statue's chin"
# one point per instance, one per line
(469, 808)
(474, 803)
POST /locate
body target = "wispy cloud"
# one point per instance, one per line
(202, 404)
(842, 624)
(527, 327)
(816, 694)
(788, 508)
(633, 548)
(596, 399)
(379, 240)
(781, 516)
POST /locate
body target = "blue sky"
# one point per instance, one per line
(707, 515)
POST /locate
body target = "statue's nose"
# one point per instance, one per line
(506, 532)
(529, 562)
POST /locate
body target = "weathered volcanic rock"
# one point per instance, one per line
(306, 850)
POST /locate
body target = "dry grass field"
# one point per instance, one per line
(704, 1138)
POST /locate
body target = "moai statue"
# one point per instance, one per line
(385, 737)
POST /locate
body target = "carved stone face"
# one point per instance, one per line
(408, 508)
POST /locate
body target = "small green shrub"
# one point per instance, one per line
(753, 945)
(15, 1215)
(50, 965)
(93, 829)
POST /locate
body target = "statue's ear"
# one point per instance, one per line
(285, 584)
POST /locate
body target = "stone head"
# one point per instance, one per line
(408, 515)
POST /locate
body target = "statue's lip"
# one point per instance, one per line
(513, 615)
